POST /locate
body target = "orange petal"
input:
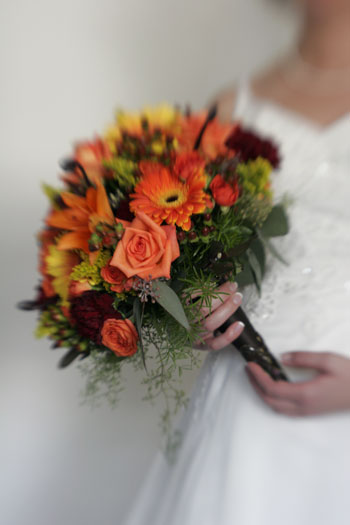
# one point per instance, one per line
(74, 240)
(74, 201)
(68, 219)
(103, 207)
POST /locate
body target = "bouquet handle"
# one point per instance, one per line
(252, 346)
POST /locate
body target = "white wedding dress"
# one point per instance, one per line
(240, 463)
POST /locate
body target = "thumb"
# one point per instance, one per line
(321, 361)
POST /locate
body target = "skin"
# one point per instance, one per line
(221, 309)
(314, 93)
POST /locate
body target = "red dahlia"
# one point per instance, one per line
(89, 311)
(250, 146)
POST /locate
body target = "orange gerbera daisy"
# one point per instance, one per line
(213, 140)
(163, 196)
(80, 217)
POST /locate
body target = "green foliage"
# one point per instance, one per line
(276, 223)
(254, 176)
(252, 211)
(85, 271)
(169, 300)
(102, 372)
(172, 355)
(52, 194)
(231, 230)
(55, 325)
(123, 170)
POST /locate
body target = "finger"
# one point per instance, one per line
(201, 342)
(321, 361)
(224, 292)
(279, 405)
(222, 340)
(223, 312)
(278, 389)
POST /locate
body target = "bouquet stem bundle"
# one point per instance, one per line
(252, 346)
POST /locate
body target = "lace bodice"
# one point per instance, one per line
(314, 290)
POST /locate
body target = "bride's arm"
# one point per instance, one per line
(328, 392)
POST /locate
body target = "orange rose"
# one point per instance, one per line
(112, 275)
(146, 249)
(120, 336)
(224, 193)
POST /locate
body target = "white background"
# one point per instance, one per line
(65, 67)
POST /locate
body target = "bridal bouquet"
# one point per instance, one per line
(162, 208)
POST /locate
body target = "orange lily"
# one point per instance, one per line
(81, 217)
(214, 138)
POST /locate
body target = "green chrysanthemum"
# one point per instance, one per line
(85, 271)
(255, 176)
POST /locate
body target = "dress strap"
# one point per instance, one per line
(243, 99)
(248, 108)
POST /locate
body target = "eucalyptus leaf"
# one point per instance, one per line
(169, 300)
(138, 316)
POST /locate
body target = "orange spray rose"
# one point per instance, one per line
(224, 193)
(120, 336)
(119, 281)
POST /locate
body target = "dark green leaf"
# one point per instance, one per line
(273, 250)
(238, 250)
(69, 357)
(222, 267)
(256, 268)
(276, 223)
(246, 276)
(258, 247)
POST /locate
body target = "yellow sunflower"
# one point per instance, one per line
(164, 197)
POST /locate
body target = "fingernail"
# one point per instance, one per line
(240, 324)
(233, 286)
(287, 357)
(237, 298)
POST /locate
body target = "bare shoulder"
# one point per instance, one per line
(225, 102)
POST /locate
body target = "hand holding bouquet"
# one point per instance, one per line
(162, 209)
